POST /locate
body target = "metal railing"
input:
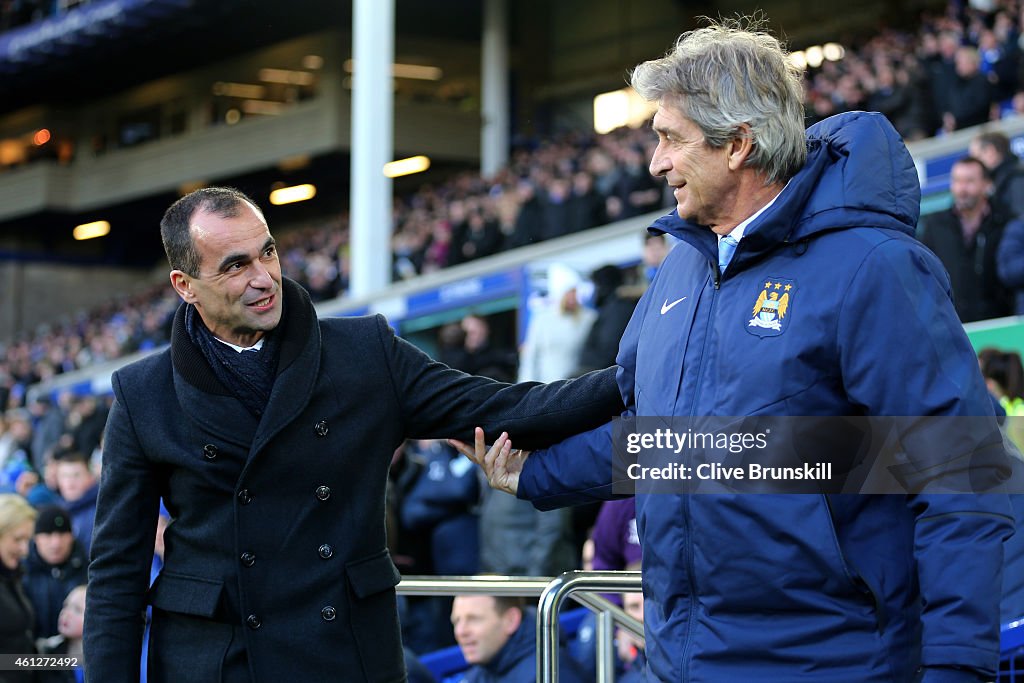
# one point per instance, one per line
(581, 586)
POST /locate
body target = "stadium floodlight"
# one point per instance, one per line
(88, 231)
(416, 72)
(286, 76)
(833, 52)
(290, 195)
(618, 108)
(400, 167)
(815, 56)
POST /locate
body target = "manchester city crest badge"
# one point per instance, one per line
(771, 310)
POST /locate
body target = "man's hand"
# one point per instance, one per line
(501, 463)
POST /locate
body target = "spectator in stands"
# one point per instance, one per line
(478, 237)
(586, 206)
(17, 520)
(1010, 262)
(556, 208)
(969, 99)
(556, 331)
(616, 541)
(1005, 170)
(71, 625)
(614, 309)
(518, 539)
(965, 237)
(15, 449)
(78, 488)
(442, 506)
(451, 345)
(47, 427)
(614, 544)
(56, 563)
(635, 193)
(631, 650)
(529, 225)
(1004, 376)
(497, 636)
(481, 357)
(269, 434)
(656, 248)
(893, 96)
(86, 419)
(938, 56)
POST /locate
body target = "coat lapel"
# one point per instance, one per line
(207, 401)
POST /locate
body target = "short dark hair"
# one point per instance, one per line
(985, 173)
(71, 455)
(996, 140)
(503, 603)
(174, 227)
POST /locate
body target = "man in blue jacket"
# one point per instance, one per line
(498, 639)
(798, 289)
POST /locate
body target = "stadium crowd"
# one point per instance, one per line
(959, 69)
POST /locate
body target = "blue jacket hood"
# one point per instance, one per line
(853, 176)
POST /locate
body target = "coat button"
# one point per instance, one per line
(253, 622)
(321, 428)
(209, 451)
(323, 492)
(244, 497)
(329, 613)
(248, 559)
(326, 551)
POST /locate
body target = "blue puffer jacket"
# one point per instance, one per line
(837, 588)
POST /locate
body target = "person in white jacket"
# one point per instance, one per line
(557, 330)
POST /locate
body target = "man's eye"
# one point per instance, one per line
(234, 267)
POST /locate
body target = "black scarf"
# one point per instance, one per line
(248, 375)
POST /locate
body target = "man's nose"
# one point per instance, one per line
(660, 163)
(261, 278)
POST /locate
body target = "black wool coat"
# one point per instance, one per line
(16, 619)
(278, 531)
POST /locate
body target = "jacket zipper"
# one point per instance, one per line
(687, 527)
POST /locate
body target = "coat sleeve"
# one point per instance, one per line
(900, 301)
(122, 551)
(436, 401)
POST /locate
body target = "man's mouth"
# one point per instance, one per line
(264, 303)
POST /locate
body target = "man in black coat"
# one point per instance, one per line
(56, 563)
(966, 237)
(268, 434)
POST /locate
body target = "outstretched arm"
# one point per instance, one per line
(436, 401)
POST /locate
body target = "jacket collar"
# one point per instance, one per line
(518, 647)
(203, 396)
(858, 173)
(190, 363)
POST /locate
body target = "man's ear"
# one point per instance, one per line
(511, 620)
(740, 147)
(182, 284)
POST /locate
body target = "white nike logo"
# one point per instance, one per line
(666, 307)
